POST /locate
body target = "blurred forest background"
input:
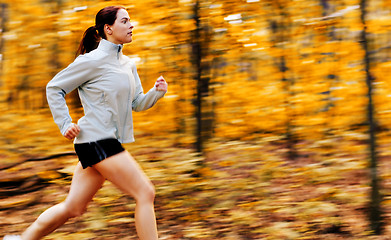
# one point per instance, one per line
(276, 124)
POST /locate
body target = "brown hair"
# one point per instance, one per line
(92, 35)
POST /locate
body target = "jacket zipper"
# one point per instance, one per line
(127, 104)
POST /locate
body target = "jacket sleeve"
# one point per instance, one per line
(63, 83)
(143, 101)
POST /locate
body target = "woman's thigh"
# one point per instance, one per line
(124, 172)
(85, 183)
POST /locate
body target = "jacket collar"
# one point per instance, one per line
(109, 47)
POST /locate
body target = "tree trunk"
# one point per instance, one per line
(279, 33)
(203, 113)
(375, 212)
(3, 20)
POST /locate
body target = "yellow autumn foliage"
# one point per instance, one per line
(287, 103)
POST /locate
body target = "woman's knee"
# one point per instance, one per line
(151, 192)
(72, 210)
(147, 193)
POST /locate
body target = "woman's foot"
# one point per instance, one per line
(12, 237)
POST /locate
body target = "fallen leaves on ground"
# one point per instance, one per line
(237, 190)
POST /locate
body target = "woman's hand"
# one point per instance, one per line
(72, 131)
(161, 84)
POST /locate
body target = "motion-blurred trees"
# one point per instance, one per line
(289, 73)
(375, 212)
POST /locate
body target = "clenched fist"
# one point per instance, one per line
(72, 131)
(161, 84)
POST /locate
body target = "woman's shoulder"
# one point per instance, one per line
(93, 55)
(129, 61)
(89, 59)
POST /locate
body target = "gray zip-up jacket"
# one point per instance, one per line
(109, 88)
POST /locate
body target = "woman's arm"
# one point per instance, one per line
(143, 101)
(63, 83)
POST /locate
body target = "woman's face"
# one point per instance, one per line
(121, 31)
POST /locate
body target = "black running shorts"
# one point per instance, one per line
(93, 152)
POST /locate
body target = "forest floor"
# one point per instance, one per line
(236, 190)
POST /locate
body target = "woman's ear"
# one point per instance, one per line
(108, 29)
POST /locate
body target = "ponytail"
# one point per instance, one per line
(89, 41)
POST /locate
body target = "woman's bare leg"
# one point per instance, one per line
(85, 183)
(124, 172)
